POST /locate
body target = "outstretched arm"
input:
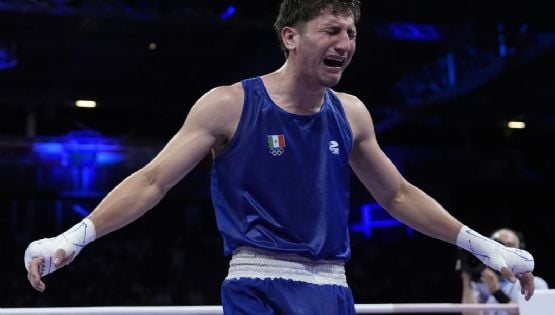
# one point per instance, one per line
(391, 190)
(414, 207)
(211, 121)
(145, 188)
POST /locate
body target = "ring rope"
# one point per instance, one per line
(217, 309)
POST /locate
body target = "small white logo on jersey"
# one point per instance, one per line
(334, 147)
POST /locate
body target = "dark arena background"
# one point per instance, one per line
(462, 95)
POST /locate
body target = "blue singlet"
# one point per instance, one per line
(282, 184)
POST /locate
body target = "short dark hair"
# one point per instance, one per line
(294, 12)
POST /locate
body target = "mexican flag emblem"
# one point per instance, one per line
(276, 144)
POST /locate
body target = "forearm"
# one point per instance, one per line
(125, 203)
(468, 293)
(423, 213)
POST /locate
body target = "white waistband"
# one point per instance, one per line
(249, 262)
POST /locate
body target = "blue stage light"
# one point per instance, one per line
(7, 59)
(228, 13)
(78, 149)
(80, 210)
(374, 216)
(410, 31)
(71, 164)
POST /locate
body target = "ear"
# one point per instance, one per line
(289, 37)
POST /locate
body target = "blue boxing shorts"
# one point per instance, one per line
(263, 283)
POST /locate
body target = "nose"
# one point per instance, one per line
(344, 43)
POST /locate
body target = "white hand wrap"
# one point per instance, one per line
(71, 241)
(493, 254)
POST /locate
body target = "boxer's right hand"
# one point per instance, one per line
(33, 274)
(46, 255)
(43, 257)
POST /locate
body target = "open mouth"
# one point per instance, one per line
(333, 63)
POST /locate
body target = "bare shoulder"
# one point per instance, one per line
(225, 97)
(220, 106)
(217, 113)
(357, 114)
(351, 103)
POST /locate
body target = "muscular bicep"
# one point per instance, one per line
(376, 171)
(371, 165)
(210, 122)
(179, 156)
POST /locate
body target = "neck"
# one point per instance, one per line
(293, 92)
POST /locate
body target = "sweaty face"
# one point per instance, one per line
(325, 47)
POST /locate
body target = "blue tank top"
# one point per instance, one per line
(282, 184)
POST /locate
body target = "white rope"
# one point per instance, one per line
(430, 308)
(217, 310)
